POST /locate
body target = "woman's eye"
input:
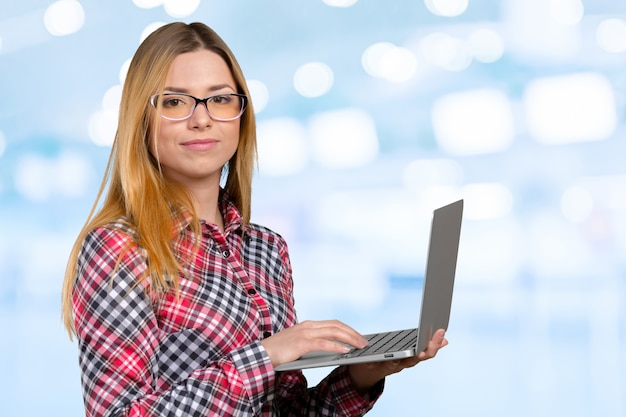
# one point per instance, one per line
(171, 102)
(221, 99)
(174, 100)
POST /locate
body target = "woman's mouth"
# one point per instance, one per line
(200, 144)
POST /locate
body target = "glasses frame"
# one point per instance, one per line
(205, 101)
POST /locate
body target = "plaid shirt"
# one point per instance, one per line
(200, 354)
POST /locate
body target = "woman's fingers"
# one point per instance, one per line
(330, 335)
(310, 336)
(437, 342)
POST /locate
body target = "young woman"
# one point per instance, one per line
(180, 305)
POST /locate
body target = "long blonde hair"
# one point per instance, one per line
(135, 189)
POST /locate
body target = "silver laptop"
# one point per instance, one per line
(436, 301)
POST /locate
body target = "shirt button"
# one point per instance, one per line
(226, 254)
(266, 334)
(251, 291)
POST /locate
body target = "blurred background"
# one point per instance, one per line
(370, 115)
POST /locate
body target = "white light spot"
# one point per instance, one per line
(180, 8)
(147, 4)
(259, 94)
(343, 138)
(570, 108)
(102, 127)
(124, 71)
(112, 98)
(567, 12)
(533, 34)
(32, 178)
(38, 178)
(282, 147)
(576, 204)
(446, 51)
(64, 17)
(340, 3)
(313, 79)
(149, 29)
(388, 61)
(473, 122)
(373, 57)
(447, 8)
(72, 174)
(399, 65)
(611, 35)
(486, 45)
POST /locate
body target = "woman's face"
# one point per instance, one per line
(193, 151)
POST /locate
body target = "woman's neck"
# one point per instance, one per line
(206, 201)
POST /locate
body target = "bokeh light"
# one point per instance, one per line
(64, 17)
(260, 94)
(149, 29)
(447, 8)
(567, 12)
(147, 4)
(611, 35)
(446, 51)
(486, 45)
(124, 70)
(313, 79)
(340, 3)
(343, 138)
(39, 178)
(180, 8)
(388, 61)
(570, 108)
(473, 122)
(283, 148)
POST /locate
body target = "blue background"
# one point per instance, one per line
(515, 105)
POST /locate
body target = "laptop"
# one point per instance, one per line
(436, 302)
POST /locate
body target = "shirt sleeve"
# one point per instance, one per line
(334, 395)
(118, 342)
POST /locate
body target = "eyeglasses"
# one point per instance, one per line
(180, 106)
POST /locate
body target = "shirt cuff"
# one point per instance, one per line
(353, 403)
(256, 371)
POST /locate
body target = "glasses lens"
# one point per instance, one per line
(181, 106)
(225, 106)
(175, 106)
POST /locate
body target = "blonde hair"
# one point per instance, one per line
(137, 192)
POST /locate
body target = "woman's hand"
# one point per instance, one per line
(310, 336)
(364, 376)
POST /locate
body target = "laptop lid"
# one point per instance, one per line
(436, 300)
(440, 272)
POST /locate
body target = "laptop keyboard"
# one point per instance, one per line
(386, 342)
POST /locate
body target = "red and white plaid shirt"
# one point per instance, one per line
(200, 354)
